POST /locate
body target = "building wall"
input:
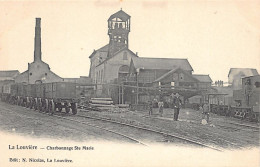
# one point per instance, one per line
(22, 78)
(181, 79)
(38, 71)
(204, 85)
(146, 76)
(112, 65)
(95, 60)
(108, 71)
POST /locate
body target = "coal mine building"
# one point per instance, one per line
(117, 71)
(165, 76)
(38, 71)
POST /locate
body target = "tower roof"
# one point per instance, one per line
(120, 14)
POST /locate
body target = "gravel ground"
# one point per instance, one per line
(219, 132)
(23, 121)
(144, 136)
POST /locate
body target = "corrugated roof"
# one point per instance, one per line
(172, 71)
(120, 14)
(246, 71)
(161, 63)
(11, 73)
(202, 78)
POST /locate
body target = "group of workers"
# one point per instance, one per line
(176, 105)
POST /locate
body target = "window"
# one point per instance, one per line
(172, 85)
(30, 73)
(45, 74)
(257, 84)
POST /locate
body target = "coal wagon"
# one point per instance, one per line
(59, 95)
(47, 97)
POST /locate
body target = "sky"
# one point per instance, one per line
(213, 35)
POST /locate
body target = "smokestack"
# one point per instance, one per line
(37, 41)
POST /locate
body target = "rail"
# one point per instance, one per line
(152, 130)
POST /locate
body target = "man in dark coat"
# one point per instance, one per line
(176, 106)
(150, 105)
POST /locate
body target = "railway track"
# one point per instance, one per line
(166, 135)
(238, 127)
(78, 122)
(245, 125)
(99, 127)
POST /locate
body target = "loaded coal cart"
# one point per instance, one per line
(59, 95)
(13, 94)
(31, 96)
(21, 94)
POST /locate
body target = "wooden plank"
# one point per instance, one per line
(101, 102)
(105, 99)
(101, 105)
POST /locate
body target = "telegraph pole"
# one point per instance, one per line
(122, 92)
(137, 89)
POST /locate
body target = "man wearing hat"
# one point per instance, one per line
(177, 106)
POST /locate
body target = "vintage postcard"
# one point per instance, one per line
(129, 83)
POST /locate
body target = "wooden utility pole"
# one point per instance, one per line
(137, 90)
(119, 97)
(123, 93)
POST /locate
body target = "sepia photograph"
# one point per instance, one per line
(130, 83)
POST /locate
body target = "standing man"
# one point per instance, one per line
(150, 107)
(177, 106)
(160, 105)
(205, 112)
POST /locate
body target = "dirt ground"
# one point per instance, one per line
(23, 121)
(219, 132)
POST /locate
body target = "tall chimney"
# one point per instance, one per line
(37, 41)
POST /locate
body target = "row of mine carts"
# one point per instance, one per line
(249, 113)
(46, 97)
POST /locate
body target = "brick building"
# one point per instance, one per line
(112, 60)
(115, 64)
(38, 71)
